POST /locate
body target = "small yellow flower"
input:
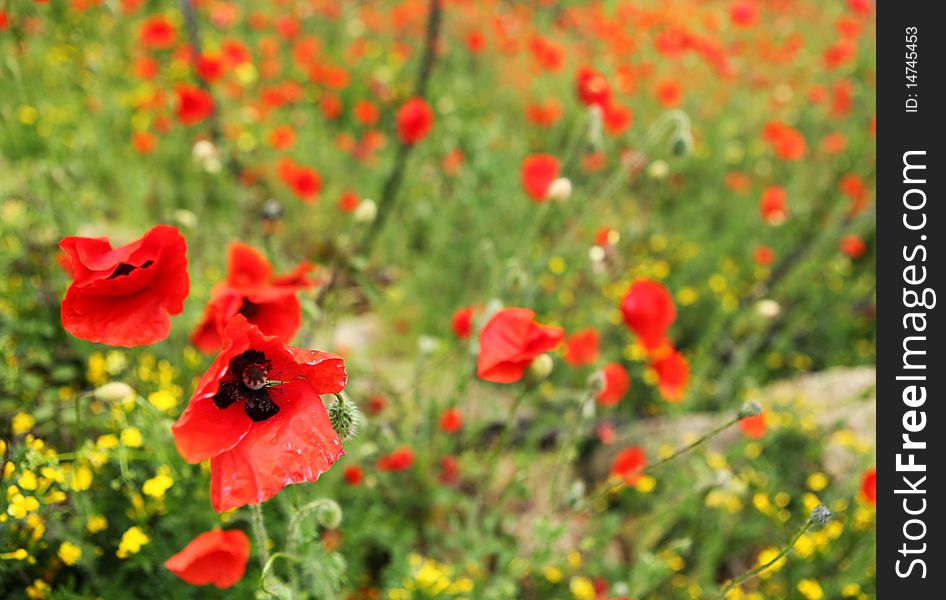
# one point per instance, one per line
(817, 482)
(159, 484)
(162, 400)
(28, 481)
(18, 554)
(37, 591)
(131, 437)
(69, 553)
(131, 542)
(582, 588)
(21, 505)
(96, 523)
(106, 441)
(810, 589)
(81, 479)
(765, 557)
(552, 574)
(22, 423)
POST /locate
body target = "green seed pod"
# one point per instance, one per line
(750, 409)
(820, 515)
(344, 416)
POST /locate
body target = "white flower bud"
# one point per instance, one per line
(115, 392)
(559, 190)
(366, 212)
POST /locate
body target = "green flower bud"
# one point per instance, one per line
(344, 416)
(750, 409)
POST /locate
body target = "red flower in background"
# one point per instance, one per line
(348, 202)
(215, 558)
(451, 420)
(753, 427)
(763, 255)
(628, 464)
(616, 384)
(592, 88)
(510, 342)
(124, 296)
(157, 33)
(853, 246)
(772, 205)
(415, 119)
(353, 475)
(673, 373)
(538, 173)
(449, 469)
(305, 182)
(670, 94)
(398, 460)
(193, 104)
(786, 142)
(743, 13)
(258, 416)
(648, 311)
(869, 485)
(251, 289)
(581, 348)
(462, 322)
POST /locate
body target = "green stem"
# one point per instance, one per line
(759, 569)
(259, 532)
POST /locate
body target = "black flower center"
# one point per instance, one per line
(124, 269)
(246, 381)
(248, 309)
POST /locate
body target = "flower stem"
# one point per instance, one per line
(759, 569)
(259, 532)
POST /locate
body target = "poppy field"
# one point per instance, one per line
(437, 299)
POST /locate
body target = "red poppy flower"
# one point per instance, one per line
(348, 202)
(869, 485)
(414, 121)
(853, 246)
(670, 94)
(772, 205)
(258, 416)
(763, 256)
(786, 142)
(617, 118)
(451, 420)
(399, 460)
(365, 112)
(193, 104)
(673, 374)
(743, 13)
(124, 296)
(753, 427)
(592, 87)
(476, 41)
(462, 322)
(628, 464)
(251, 289)
(616, 384)
(214, 557)
(210, 67)
(353, 475)
(449, 469)
(581, 348)
(510, 342)
(158, 33)
(305, 182)
(648, 311)
(538, 173)
(282, 138)
(143, 142)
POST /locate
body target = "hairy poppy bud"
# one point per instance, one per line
(820, 515)
(115, 391)
(328, 514)
(344, 416)
(750, 409)
(682, 143)
(560, 190)
(541, 367)
(366, 212)
(272, 210)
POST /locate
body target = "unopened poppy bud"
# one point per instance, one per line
(658, 169)
(366, 212)
(329, 514)
(541, 367)
(596, 382)
(820, 515)
(768, 308)
(750, 409)
(115, 391)
(559, 190)
(205, 155)
(682, 143)
(272, 210)
(344, 416)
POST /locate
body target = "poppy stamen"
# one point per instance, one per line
(247, 380)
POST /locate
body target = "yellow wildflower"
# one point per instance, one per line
(22, 422)
(131, 437)
(131, 542)
(69, 553)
